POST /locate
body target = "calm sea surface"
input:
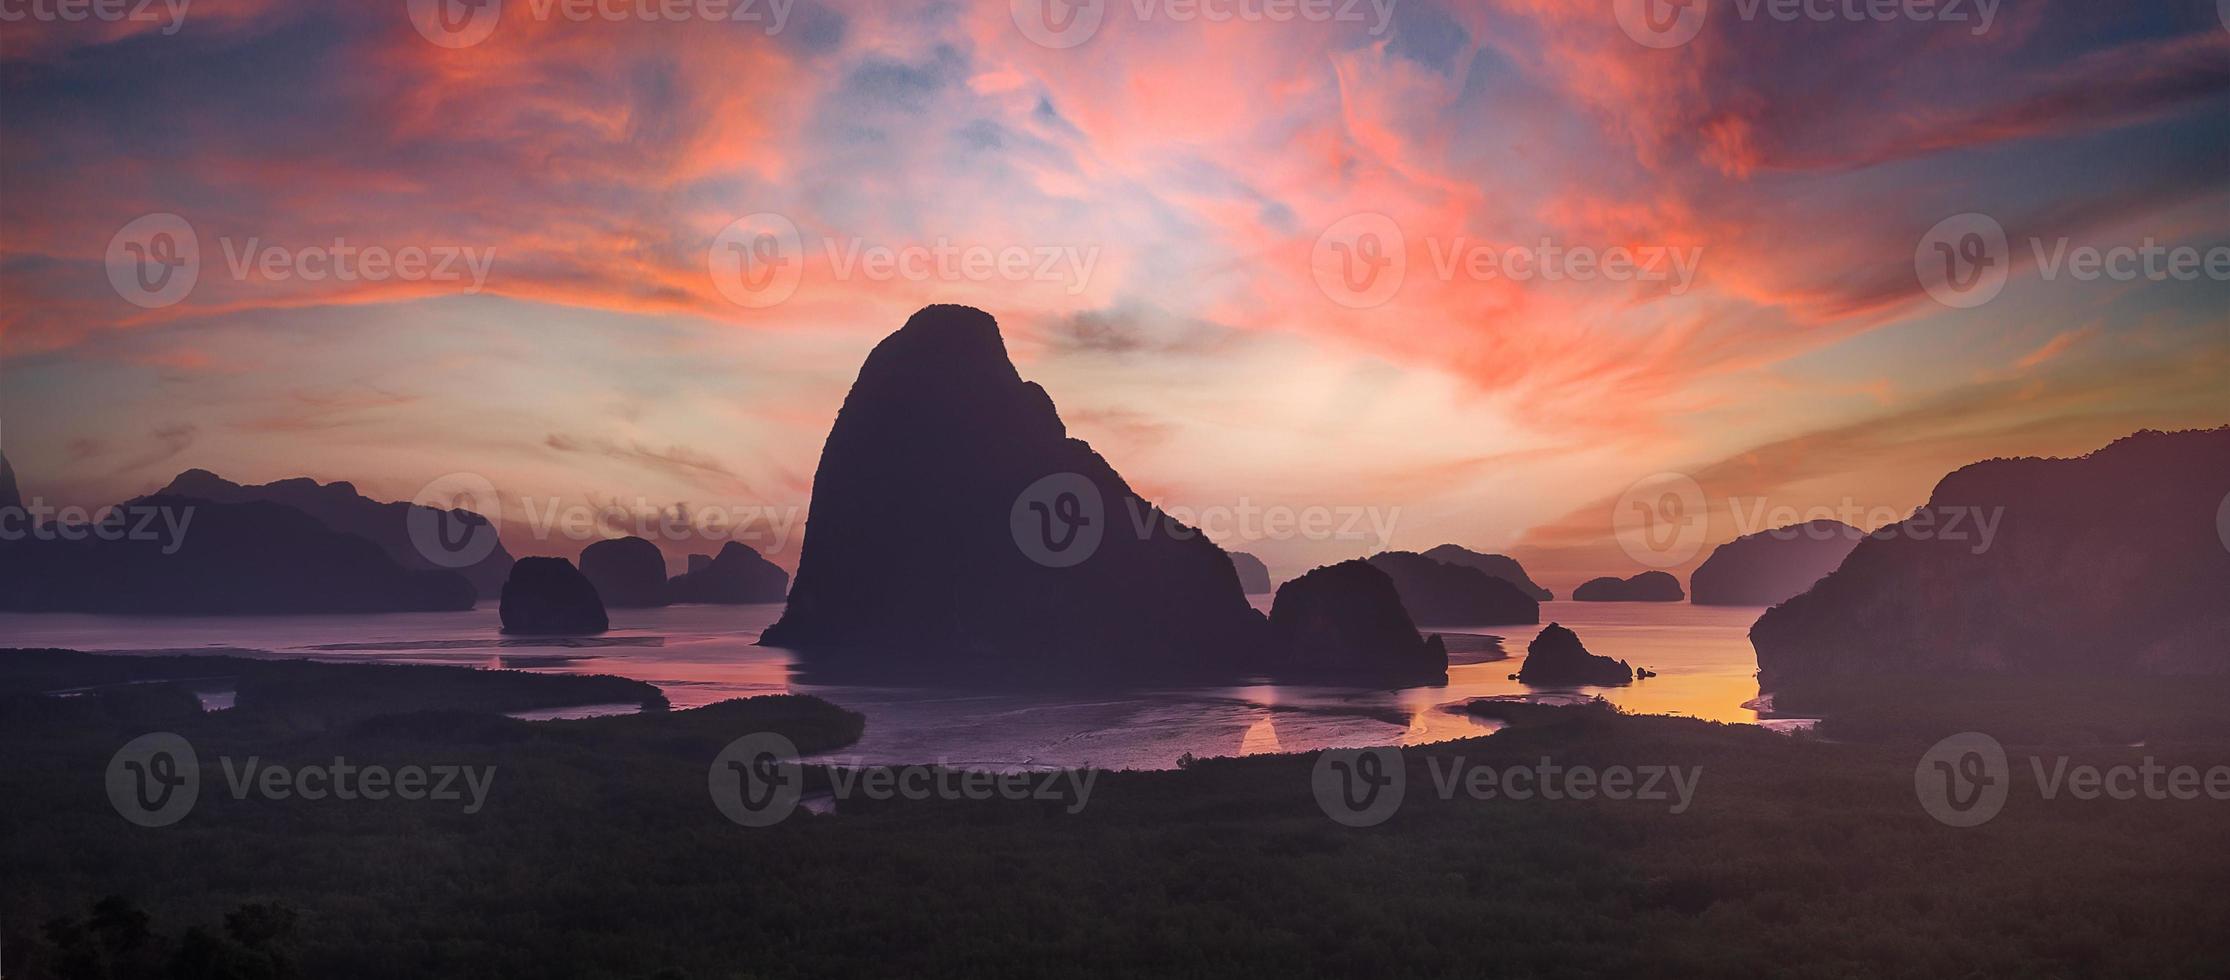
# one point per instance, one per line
(702, 654)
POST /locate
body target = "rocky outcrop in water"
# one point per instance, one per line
(1646, 587)
(1344, 623)
(2116, 562)
(387, 525)
(956, 526)
(549, 597)
(737, 575)
(1557, 657)
(629, 573)
(1767, 568)
(1454, 595)
(1502, 567)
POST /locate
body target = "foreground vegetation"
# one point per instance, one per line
(599, 854)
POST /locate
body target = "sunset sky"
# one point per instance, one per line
(1184, 192)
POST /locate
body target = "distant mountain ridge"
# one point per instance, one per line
(1448, 594)
(1770, 567)
(1502, 567)
(343, 509)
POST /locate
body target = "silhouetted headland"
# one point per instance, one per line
(205, 558)
(340, 507)
(2115, 561)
